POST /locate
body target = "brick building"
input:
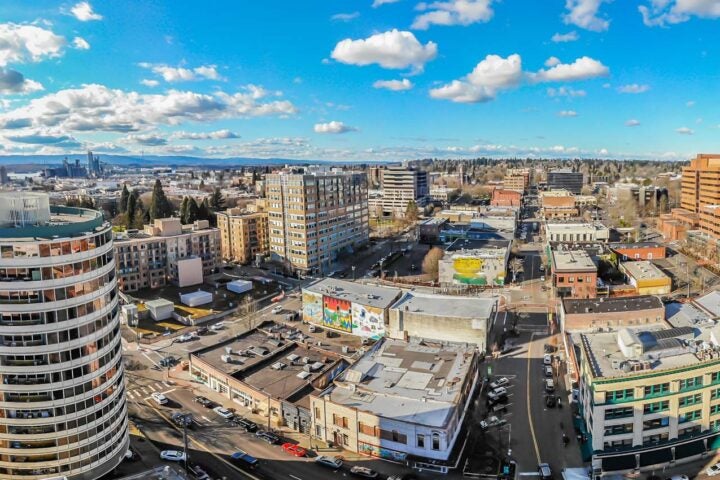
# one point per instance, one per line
(506, 198)
(639, 251)
(587, 314)
(574, 274)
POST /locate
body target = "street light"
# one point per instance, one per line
(353, 272)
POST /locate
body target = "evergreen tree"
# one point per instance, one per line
(160, 206)
(217, 201)
(202, 184)
(124, 198)
(204, 212)
(184, 209)
(192, 211)
(130, 209)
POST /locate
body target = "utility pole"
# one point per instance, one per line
(185, 440)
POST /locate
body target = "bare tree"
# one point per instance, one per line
(516, 266)
(431, 262)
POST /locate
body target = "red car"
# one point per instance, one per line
(293, 449)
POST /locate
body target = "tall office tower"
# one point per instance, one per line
(62, 399)
(401, 185)
(4, 176)
(565, 179)
(314, 215)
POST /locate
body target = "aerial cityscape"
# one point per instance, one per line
(374, 239)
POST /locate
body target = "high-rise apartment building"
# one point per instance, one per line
(62, 409)
(401, 186)
(565, 179)
(4, 175)
(166, 252)
(517, 179)
(243, 235)
(314, 215)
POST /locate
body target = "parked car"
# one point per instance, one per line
(172, 455)
(500, 391)
(548, 371)
(182, 419)
(330, 462)
(245, 424)
(204, 401)
(549, 385)
(550, 401)
(499, 408)
(185, 337)
(201, 331)
(217, 326)
(269, 437)
(277, 310)
(198, 472)
(159, 398)
(492, 422)
(224, 412)
(363, 472)
(544, 471)
(244, 458)
(500, 382)
(713, 470)
(293, 449)
(547, 359)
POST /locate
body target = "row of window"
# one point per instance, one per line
(56, 272)
(56, 294)
(389, 435)
(685, 384)
(57, 316)
(55, 249)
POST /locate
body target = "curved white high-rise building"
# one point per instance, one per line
(62, 397)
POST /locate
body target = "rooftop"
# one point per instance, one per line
(610, 305)
(370, 295)
(573, 261)
(710, 303)
(469, 244)
(446, 305)
(618, 246)
(686, 315)
(643, 270)
(559, 227)
(419, 381)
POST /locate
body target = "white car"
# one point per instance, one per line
(172, 455)
(500, 382)
(223, 412)
(547, 359)
(218, 326)
(330, 462)
(159, 398)
(492, 422)
(277, 310)
(185, 337)
(713, 470)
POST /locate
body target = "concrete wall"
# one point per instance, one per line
(190, 272)
(448, 328)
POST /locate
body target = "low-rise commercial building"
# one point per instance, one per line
(675, 225)
(442, 195)
(576, 232)
(609, 313)
(574, 274)
(430, 228)
(243, 235)
(647, 278)
(403, 401)
(474, 263)
(502, 197)
(639, 251)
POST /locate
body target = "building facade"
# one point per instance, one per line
(165, 253)
(400, 186)
(506, 198)
(480, 263)
(647, 278)
(574, 274)
(565, 179)
(315, 215)
(576, 232)
(517, 179)
(606, 313)
(63, 412)
(243, 235)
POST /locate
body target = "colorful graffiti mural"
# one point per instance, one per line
(337, 314)
(312, 307)
(375, 451)
(368, 321)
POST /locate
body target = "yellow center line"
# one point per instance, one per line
(530, 421)
(203, 447)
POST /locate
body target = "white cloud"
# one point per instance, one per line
(345, 17)
(491, 75)
(80, 43)
(690, 103)
(668, 12)
(395, 85)
(565, 92)
(584, 14)
(333, 127)
(40, 137)
(684, 131)
(581, 69)
(145, 139)
(632, 123)
(567, 113)
(552, 61)
(453, 12)
(391, 49)
(633, 88)
(83, 11)
(378, 3)
(182, 74)
(565, 37)
(28, 43)
(98, 108)
(149, 83)
(15, 82)
(216, 135)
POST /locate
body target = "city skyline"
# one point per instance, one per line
(357, 80)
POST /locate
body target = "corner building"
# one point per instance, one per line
(62, 400)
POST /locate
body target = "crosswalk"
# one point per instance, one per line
(143, 392)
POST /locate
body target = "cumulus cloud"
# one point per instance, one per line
(581, 69)
(83, 11)
(453, 12)
(567, 113)
(99, 108)
(395, 85)
(80, 43)
(584, 14)
(632, 123)
(28, 43)
(633, 88)
(39, 138)
(15, 82)
(684, 131)
(182, 74)
(149, 83)
(392, 49)
(490, 76)
(216, 135)
(565, 37)
(15, 124)
(668, 12)
(145, 139)
(333, 127)
(378, 3)
(345, 17)
(565, 92)
(552, 61)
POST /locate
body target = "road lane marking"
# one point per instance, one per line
(293, 476)
(529, 412)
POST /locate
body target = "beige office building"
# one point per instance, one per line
(314, 215)
(243, 235)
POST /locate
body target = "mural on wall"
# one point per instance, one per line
(469, 270)
(368, 321)
(380, 452)
(337, 314)
(312, 307)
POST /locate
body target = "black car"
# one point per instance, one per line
(182, 419)
(245, 424)
(204, 401)
(202, 331)
(167, 362)
(550, 401)
(268, 437)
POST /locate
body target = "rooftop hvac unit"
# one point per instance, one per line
(303, 375)
(228, 350)
(278, 366)
(226, 358)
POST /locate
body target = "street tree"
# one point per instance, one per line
(217, 201)
(516, 266)
(431, 262)
(124, 195)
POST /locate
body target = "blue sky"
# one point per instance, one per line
(357, 80)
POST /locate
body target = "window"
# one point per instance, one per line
(656, 407)
(690, 400)
(619, 395)
(657, 390)
(367, 429)
(656, 423)
(619, 429)
(436, 441)
(623, 412)
(715, 377)
(420, 440)
(690, 416)
(652, 439)
(340, 421)
(714, 409)
(690, 383)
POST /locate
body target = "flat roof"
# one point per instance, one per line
(471, 244)
(573, 261)
(710, 302)
(643, 270)
(618, 246)
(420, 381)
(158, 302)
(610, 304)
(572, 226)
(685, 315)
(433, 221)
(370, 295)
(446, 305)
